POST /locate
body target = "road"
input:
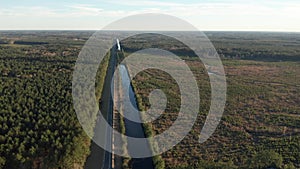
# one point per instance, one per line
(99, 158)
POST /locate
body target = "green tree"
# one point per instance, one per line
(2, 162)
(266, 159)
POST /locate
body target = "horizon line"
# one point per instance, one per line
(207, 30)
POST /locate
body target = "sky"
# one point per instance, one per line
(213, 15)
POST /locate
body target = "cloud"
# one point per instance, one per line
(84, 10)
(178, 9)
(230, 14)
(27, 11)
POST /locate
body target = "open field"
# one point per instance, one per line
(261, 115)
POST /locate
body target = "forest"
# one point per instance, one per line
(260, 127)
(39, 128)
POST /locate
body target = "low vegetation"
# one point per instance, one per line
(259, 128)
(260, 125)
